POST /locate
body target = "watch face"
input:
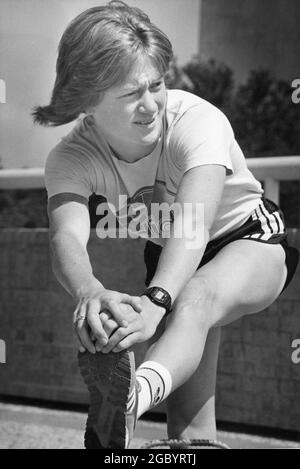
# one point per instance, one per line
(159, 295)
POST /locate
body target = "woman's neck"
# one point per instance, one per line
(132, 155)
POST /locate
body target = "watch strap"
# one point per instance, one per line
(160, 297)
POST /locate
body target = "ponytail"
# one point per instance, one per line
(50, 116)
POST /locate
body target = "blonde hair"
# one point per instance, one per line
(97, 51)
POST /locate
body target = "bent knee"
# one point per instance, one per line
(197, 299)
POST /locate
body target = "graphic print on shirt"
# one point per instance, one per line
(147, 214)
(133, 216)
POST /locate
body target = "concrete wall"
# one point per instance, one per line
(29, 34)
(257, 381)
(252, 34)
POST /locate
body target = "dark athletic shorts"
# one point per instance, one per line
(265, 225)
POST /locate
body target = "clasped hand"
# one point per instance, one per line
(123, 321)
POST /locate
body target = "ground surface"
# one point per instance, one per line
(27, 427)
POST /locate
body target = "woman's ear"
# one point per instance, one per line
(91, 108)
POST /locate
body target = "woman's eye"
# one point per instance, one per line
(156, 85)
(132, 93)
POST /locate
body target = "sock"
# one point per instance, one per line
(154, 385)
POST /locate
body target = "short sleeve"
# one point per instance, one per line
(67, 172)
(202, 136)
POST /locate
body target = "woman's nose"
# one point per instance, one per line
(147, 104)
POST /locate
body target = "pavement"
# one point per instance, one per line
(30, 427)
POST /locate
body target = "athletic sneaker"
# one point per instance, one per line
(110, 379)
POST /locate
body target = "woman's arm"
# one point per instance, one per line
(69, 234)
(180, 256)
(201, 186)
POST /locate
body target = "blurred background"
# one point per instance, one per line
(241, 55)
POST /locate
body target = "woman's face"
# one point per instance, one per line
(130, 115)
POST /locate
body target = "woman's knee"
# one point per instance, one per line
(197, 301)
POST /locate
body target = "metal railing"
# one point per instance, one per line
(270, 171)
(32, 178)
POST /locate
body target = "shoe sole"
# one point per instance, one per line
(109, 379)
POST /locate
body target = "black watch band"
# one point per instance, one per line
(160, 297)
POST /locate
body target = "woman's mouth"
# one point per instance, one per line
(146, 122)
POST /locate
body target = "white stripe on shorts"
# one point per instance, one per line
(281, 226)
(271, 223)
(268, 223)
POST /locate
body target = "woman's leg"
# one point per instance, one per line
(191, 407)
(244, 278)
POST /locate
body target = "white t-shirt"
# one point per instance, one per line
(194, 133)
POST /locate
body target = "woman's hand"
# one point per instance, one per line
(87, 323)
(141, 326)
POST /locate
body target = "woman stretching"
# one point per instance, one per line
(220, 251)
